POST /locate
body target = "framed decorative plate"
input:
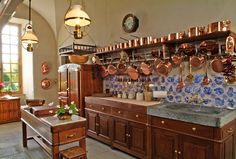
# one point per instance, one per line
(46, 83)
(45, 68)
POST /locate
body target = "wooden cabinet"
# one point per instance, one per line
(9, 110)
(121, 133)
(76, 82)
(99, 126)
(189, 141)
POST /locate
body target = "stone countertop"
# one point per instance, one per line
(208, 116)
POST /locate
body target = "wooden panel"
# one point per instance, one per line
(9, 110)
(104, 126)
(164, 144)
(121, 132)
(138, 138)
(98, 107)
(229, 148)
(187, 128)
(71, 135)
(91, 121)
(201, 149)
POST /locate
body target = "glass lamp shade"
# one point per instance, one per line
(75, 16)
(29, 38)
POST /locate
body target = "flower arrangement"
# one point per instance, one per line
(65, 112)
(1, 85)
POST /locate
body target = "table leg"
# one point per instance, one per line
(55, 152)
(24, 134)
(83, 145)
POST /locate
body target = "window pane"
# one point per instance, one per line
(14, 40)
(5, 39)
(14, 68)
(6, 29)
(14, 30)
(6, 58)
(6, 68)
(14, 58)
(6, 77)
(15, 87)
(14, 49)
(6, 49)
(14, 77)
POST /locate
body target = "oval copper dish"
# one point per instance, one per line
(45, 68)
(46, 83)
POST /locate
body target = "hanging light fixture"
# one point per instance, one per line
(29, 39)
(75, 17)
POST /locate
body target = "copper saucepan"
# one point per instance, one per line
(197, 61)
(104, 72)
(217, 65)
(164, 67)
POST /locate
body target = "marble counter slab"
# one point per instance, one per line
(208, 116)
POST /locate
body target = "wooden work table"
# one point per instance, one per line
(52, 132)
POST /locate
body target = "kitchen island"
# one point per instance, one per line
(145, 131)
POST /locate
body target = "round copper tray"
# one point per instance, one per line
(46, 83)
(45, 68)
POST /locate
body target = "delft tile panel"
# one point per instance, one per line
(217, 93)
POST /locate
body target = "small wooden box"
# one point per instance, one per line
(41, 111)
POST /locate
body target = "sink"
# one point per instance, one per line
(208, 116)
(196, 109)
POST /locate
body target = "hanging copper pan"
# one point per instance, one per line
(104, 72)
(217, 65)
(164, 67)
(111, 69)
(133, 72)
(197, 61)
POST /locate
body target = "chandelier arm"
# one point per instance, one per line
(29, 11)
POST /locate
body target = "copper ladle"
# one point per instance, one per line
(190, 77)
(206, 80)
(181, 83)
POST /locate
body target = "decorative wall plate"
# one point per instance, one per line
(46, 83)
(45, 68)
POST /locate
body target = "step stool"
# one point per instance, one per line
(73, 153)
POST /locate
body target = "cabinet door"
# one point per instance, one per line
(91, 121)
(121, 132)
(164, 144)
(104, 126)
(138, 137)
(202, 149)
(73, 87)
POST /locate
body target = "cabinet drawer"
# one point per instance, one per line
(97, 107)
(129, 115)
(71, 135)
(184, 127)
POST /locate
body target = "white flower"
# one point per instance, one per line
(55, 115)
(66, 107)
(70, 111)
(76, 109)
(72, 102)
(58, 106)
(50, 104)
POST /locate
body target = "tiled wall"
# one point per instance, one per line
(217, 93)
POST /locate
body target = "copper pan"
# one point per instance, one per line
(133, 72)
(164, 67)
(111, 69)
(146, 68)
(209, 46)
(187, 49)
(121, 66)
(197, 61)
(217, 65)
(177, 58)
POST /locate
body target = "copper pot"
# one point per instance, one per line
(209, 46)
(121, 67)
(217, 65)
(104, 72)
(176, 59)
(111, 69)
(164, 39)
(187, 49)
(180, 35)
(164, 68)
(196, 31)
(171, 36)
(143, 41)
(133, 73)
(146, 68)
(219, 26)
(196, 61)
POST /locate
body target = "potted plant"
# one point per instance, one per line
(66, 111)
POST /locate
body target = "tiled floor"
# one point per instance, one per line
(11, 146)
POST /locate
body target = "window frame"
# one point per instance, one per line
(19, 26)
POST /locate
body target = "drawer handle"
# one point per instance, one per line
(230, 130)
(70, 136)
(68, 89)
(97, 124)
(176, 151)
(90, 106)
(136, 115)
(50, 111)
(179, 152)
(127, 135)
(103, 108)
(119, 112)
(163, 122)
(194, 129)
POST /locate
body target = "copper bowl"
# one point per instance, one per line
(79, 59)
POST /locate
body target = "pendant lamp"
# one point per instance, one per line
(77, 18)
(29, 40)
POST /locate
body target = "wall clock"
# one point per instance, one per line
(130, 23)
